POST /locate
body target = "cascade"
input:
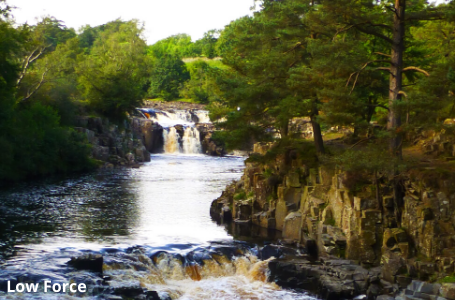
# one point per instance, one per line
(171, 140)
(191, 141)
(188, 141)
(200, 274)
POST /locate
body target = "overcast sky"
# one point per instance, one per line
(162, 18)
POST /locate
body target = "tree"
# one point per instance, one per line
(267, 52)
(207, 46)
(178, 45)
(388, 21)
(167, 77)
(114, 74)
(41, 40)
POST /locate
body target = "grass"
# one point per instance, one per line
(448, 279)
(240, 196)
(332, 136)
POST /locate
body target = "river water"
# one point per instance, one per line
(143, 221)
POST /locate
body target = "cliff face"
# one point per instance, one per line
(407, 230)
(115, 146)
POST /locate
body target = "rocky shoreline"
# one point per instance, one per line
(395, 244)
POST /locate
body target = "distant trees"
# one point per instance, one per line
(168, 75)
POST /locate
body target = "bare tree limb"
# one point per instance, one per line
(355, 82)
(35, 88)
(380, 53)
(392, 9)
(403, 93)
(385, 69)
(298, 44)
(362, 68)
(28, 60)
(417, 70)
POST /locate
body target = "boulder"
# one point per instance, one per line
(89, 262)
(447, 291)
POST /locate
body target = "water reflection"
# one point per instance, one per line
(166, 201)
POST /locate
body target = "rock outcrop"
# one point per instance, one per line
(113, 145)
(408, 232)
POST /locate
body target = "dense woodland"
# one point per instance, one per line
(338, 62)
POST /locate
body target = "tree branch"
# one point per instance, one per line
(28, 60)
(403, 93)
(363, 67)
(427, 15)
(385, 69)
(417, 70)
(36, 88)
(380, 53)
(375, 33)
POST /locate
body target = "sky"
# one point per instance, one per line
(162, 18)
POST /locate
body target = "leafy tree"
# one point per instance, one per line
(178, 45)
(114, 74)
(390, 22)
(431, 98)
(207, 46)
(201, 87)
(167, 77)
(265, 53)
(41, 40)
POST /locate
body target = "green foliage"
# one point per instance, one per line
(37, 145)
(448, 279)
(372, 158)
(168, 75)
(201, 87)
(114, 74)
(240, 195)
(207, 46)
(179, 46)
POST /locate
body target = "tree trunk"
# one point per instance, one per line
(396, 78)
(317, 132)
(284, 130)
(378, 193)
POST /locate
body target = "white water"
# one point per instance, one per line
(171, 141)
(192, 141)
(180, 117)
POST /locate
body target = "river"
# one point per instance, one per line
(152, 226)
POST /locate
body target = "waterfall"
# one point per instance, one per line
(191, 141)
(171, 140)
(189, 144)
(203, 116)
(176, 140)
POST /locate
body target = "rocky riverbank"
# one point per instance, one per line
(367, 236)
(111, 144)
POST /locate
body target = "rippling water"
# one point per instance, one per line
(161, 207)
